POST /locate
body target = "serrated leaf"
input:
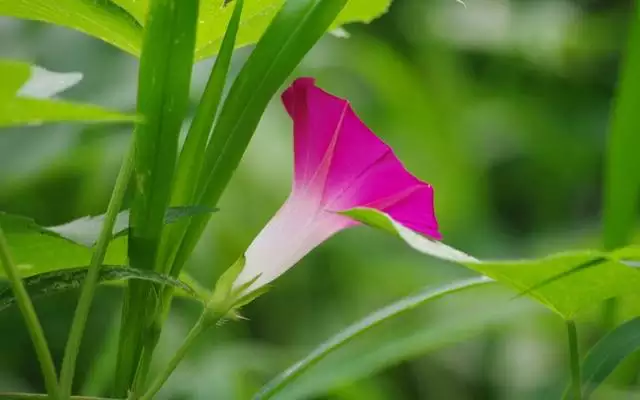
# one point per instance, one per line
(23, 98)
(608, 353)
(61, 281)
(119, 22)
(578, 289)
(86, 230)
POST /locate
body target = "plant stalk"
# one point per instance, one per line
(574, 356)
(205, 321)
(93, 274)
(31, 319)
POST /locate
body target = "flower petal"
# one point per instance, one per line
(332, 146)
(296, 229)
(341, 163)
(388, 187)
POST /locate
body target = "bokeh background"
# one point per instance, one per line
(501, 104)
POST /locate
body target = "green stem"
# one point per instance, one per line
(574, 355)
(40, 396)
(93, 273)
(206, 320)
(30, 318)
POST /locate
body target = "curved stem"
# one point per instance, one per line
(206, 320)
(574, 355)
(93, 273)
(30, 318)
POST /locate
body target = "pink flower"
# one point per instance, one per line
(339, 165)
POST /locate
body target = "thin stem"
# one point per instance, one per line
(40, 396)
(574, 355)
(206, 320)
(30, 318)
(93, 273)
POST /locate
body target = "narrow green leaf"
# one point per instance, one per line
(409, 336)
(98, 18)
(622, 167)
(163, 91)
(50, 283)
(294, 30)
(193, 151)
(191, 158)
(608, 353)
(588, 277)
(163, 94)
(285, 378)
(23, 98)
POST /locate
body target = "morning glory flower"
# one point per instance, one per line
(340, 164)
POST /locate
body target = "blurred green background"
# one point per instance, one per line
(501, 104)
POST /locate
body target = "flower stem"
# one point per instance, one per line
(205, 321)
(91, 281)
(31, 319)
(576, 380)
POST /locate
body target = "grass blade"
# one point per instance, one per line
(282, 380)
(192, 155)
(622, 168)
(163, 90)
(292, 33)
(608, 353)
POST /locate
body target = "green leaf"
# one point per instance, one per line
(192, 154)
(86, 230)
(163, 91)
(259, 13)
(622, 167)
(584, 282)
(287, 377)
(214, 17)
(220, 300)
(98, 18)
(409, 336)
(50, 283)
(119, 22)
(164, 78)
(295, 29)
(37, 250)
(608, 353)
(23, 98)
